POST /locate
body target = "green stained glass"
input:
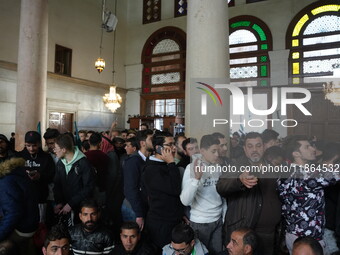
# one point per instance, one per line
(261, 33)
(264, 59)
(264, 71)
(264, 46)
(264, 83)
(240, 24)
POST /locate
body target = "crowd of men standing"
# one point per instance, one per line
(149, 192)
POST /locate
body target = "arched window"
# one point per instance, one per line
(249, 41)
(313, 38)
(163, 82)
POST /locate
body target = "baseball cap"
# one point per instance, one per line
(32, 137)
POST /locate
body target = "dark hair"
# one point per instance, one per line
(311, 242)
(89, 203)
(207, 141)
(82, 131)
(95, 139)
(86, 145)
(57, 232)
(146, 125)
(51, 133)
(188, 141)
(249, 238)
(130, 225)
(269, 134)
(124, 131)
(133, 141)
(159, 139)
(12, 133)
(291, 144)
(252, 135)
(142, 135)
(218, 135)
(330, 151)
(274, 152)
(64, 141)
(176, 138)
(182, 233)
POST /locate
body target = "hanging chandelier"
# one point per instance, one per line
(100, 64)
(112, 100)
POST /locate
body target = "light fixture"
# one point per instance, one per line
(332, 88)
(112, 100)
(100, 62)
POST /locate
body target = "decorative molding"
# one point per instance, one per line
(14, 67)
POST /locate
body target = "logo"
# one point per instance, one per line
(238, 103)
(204, 97)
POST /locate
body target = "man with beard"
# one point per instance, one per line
(253, 201)
(90, 237)
(131, 242)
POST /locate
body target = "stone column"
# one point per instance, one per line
(208, 62)
(32, 68)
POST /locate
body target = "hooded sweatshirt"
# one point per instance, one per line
(77, 155)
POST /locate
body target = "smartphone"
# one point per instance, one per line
(159, 150)
(32, 173)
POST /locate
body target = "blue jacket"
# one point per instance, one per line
(18, 200)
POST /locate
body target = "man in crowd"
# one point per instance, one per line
(5, 150)
(40, 168)
(132, 172)
(82, 135)
(179, 149)
(199, 192)
(50, 135)
(90, 237)
(243, 241)
(100, 161)
(57, 241)
(252, 199)
(131, 242)
(302, 192)
(19, 213)
(270, 138)
(307, 246)
(75, 178)
(190, 147)
(131, 146)
(223, 159)
(183, 242)
(162, 181)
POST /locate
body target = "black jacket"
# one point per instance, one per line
(76, 186)
(132, 172)
(140, 249)
(44, 164)
(163, 188)
(244, 205)
(99, 241)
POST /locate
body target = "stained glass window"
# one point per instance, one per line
(151, 11)
(314, 42)
(163, 60)
(181, 8)
(249, 43)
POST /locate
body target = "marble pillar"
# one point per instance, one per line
(32, 68)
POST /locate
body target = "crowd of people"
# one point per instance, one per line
(149, 192)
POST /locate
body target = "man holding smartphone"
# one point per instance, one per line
(162, 181)
(39, 167)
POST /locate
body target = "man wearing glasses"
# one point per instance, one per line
(183, 242)
(162, 181)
